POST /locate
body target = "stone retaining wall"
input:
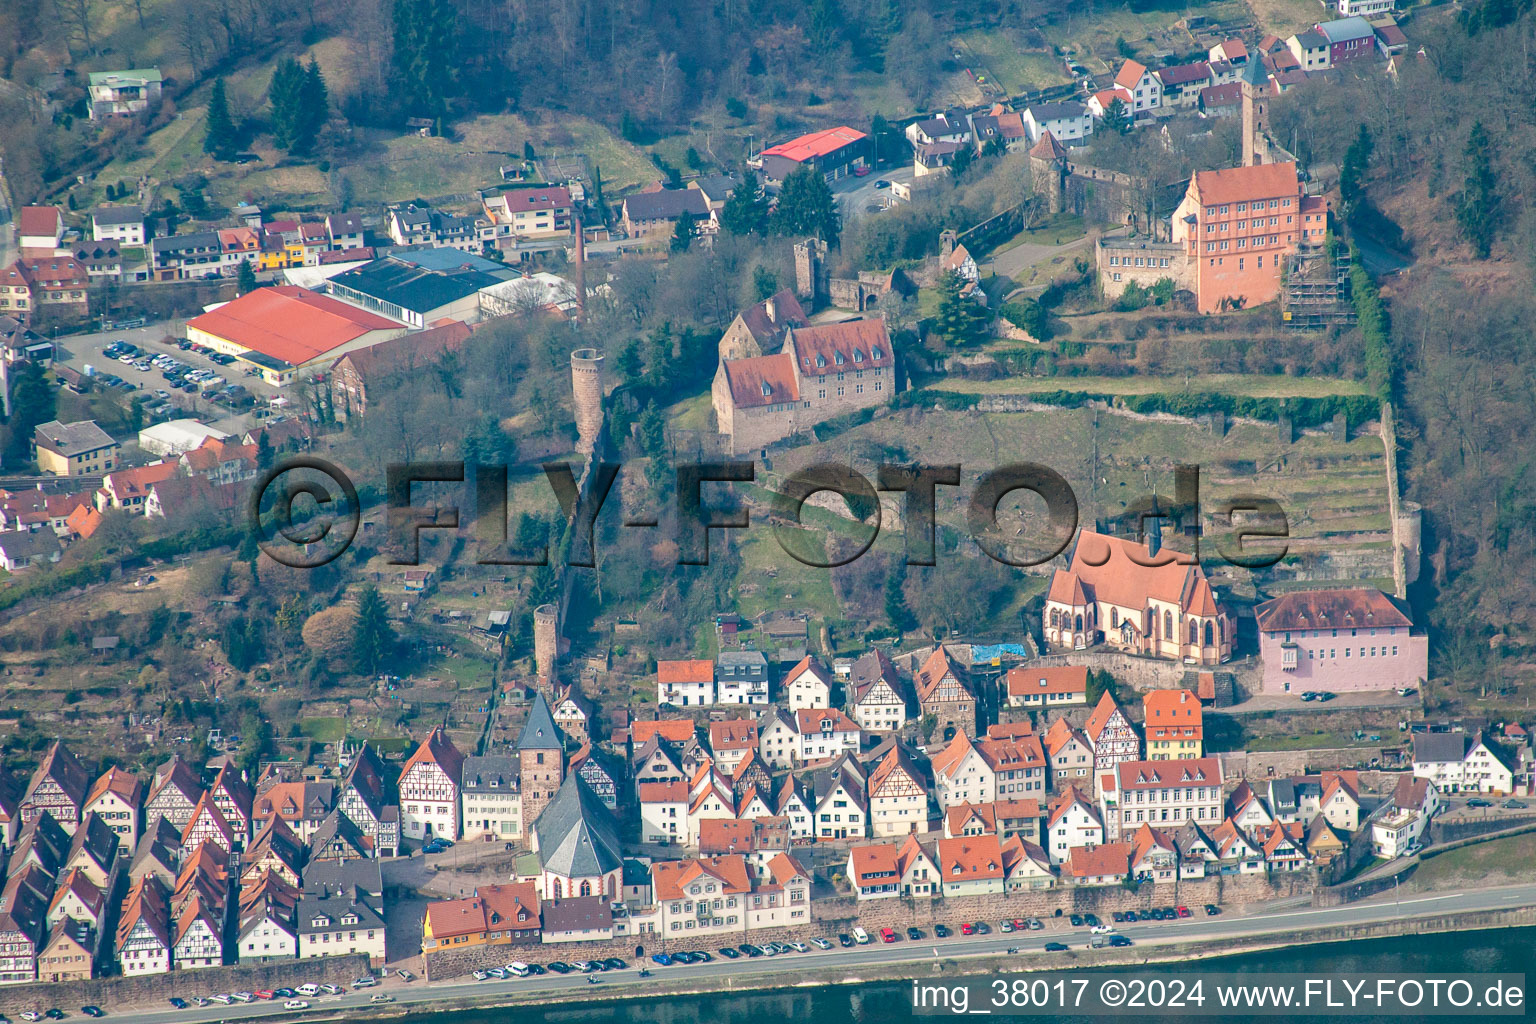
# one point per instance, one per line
(156, 989)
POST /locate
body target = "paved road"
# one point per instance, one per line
(1031, 944)
(855, 196)
(1026, 254)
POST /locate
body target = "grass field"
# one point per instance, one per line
(1284, 17)
(1017, 71)
(324, 730)
(1496, 862)
(1219, 383)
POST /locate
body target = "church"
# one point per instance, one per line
(1138, 599)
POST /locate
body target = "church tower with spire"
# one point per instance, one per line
(541, 761)
(1255, 84)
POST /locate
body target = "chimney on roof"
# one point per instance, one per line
(772, 311)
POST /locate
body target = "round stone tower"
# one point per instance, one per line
(587, 392)
(546, 640)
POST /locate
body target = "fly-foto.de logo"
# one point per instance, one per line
(305, 512)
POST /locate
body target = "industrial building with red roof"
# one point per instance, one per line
(834, 152)
(286, 330)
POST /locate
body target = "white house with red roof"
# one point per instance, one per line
(808, 686)
(689, 683)
(971, 866)
(1161, 793)
(898, 795)
(1047, 686)
(1137, 598)
(1072, 821)
(39, 230)
(664, 813)
(429, 788)
(1146, 91)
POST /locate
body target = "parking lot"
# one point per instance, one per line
(857, 197)
(79, 351)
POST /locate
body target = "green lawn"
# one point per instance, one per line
(1496, 861)
(691, 413)
(1220, 383)
(1017, 71)
(1057, 230)
(324, 730)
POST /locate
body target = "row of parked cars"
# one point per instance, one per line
(291, 996)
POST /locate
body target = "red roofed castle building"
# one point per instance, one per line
(822, 372)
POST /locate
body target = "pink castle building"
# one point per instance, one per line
(1340, 641)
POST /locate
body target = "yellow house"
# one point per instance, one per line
(74, 449)
(497, 915)
(1175, 725)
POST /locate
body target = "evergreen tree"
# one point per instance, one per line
(653, 432)
(764, 281)
(245, 281)
(1479, 198)
(316, 103)
(264, 453)
(682, 233)
(960, 320)
(746, 211)
(597, 195)
(1117, 118)
(806, 207)
(372, 637)
(965, 156)
(528, 150)
(287, 96)
(220, 138)
(33, 401)
(487, 444)
(1352, 172)
(426, 53)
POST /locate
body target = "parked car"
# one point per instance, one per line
(966, 928)
(615, 964)
(1055, 947)
(93, 1011)
(941, 931)
(1182, 911)
(982, 928)
(800, 947)
(818, 942)
(914, 934)
(1091, 919)
(728, 952)
(845, 940)
(296, 1004)
(1118, 917)
(178, 1003)
(1005, 925)
(1478, 801)
(887, 935)
(1211, 910)
(1325, 696)
(662, 959)
(561, 967)
(1077, 920)
(381, 997)
(1119, 940)
(1515, 805)
(1035, 924)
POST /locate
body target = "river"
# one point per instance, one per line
(1505, 950)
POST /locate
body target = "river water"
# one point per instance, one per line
(1501, 951)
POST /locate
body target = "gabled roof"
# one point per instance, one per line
(948, 760)
(576, 834)
(828, 348)
(733, 734)
(1059, 735)
(816, 144)
(1103, 711)
(1065, 801)
(696, 670)
(673, 730)
(1189, 771)
(539, 731)
(895, 759)
(970, 858)
(933, 672)
(668, 204)
(874, 865)
(63, 769)
(1099, 861)
(1047, 679)
(671, 878)
(1343, 608)
(761, 380)
(289, 323)
(1129, 74)
(39, 220)
(437, 749)
(1345, 29)
(1440, 747)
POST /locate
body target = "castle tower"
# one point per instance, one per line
(948, 239)
(1048, 170)
(546, 643)
(587, 393)
(810, 270)
(1255, 113)
(541, 761)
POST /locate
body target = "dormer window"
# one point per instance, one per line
(837, 358)
(858, 356)
(876, 354)
(821, 360)
(767, 390)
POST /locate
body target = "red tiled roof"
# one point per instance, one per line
(437, 749)
(525, 200)
(1189, 771)
(808, 147)
(1170, 712)
(1130, 73)
(674, 730)
(877, 864)
(1099, 861)
(736, 734)
(1025, 680)
(1354, 608)
(970, 858)
(858, 344)
(1060, 734)
(1102, 712)
(289, 323)
(762, 380)
(1241, 184)
(699, 670)
(39, 220)
(668, 877)
(663, 792)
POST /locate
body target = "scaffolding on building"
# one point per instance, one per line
(1315, 291)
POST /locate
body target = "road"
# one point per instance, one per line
(1147, 934)
(79, 350)
(855, 195)
(1011, 262)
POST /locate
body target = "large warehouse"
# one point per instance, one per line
(835, 152)
(285, 331)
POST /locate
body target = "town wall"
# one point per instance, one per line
(110, 993)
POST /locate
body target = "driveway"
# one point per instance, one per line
(1012, 262)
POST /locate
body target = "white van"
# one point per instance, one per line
(861, 936)
(308, 989)
(517, 969)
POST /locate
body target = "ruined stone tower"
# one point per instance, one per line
(810, 269)
(587, 393)
(546, 643)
